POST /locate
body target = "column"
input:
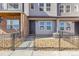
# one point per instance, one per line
(57, 25)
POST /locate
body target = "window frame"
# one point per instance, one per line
(11, 8)
(76, 8)
(32, 6)
(68, 26)
(68, 9)
(41, 8)
(48, 6)
(62, 8)
(61, 26)
(11, 24)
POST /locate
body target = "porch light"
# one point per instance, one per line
(0, 19)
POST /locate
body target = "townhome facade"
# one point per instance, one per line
(49, 18)
(39, 18)
(13, 19)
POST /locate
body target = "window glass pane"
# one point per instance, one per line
(68, 8)
(48, 27)
(13, 24)
(1, 6)
(41, 27)
(41, 23)
(41, 9)
(49, 23)
(41, 4)
(8, 22)
(32, 6)
(76, 8)
(13, 6)
(61, 10)
(68, 26)
(16, 24)
(47, 9)
(48, 4)
(61, 6)
(61, 25)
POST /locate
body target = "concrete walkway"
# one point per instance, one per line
(38, 53)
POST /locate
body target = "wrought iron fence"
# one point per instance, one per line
(9, 41)
(61, 41)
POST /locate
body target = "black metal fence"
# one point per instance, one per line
(9, 41)
(61, 41)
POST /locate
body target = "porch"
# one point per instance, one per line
(13, 28)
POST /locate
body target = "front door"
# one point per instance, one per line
(77, 28)
(31, 27)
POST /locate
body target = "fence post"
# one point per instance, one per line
(13, 41)
(60, 36)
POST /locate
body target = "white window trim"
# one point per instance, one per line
(31, 8)
(66, 9)
(19, 7)
(40, 7)
(48, 7)
(63, 8)
(76, 10)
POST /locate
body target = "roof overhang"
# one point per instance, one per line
(73, 18)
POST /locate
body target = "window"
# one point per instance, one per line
(68, 26)
(61, 24)
(13, 6)
(1, 6)
(76, 8)
(32, 6)
(45, 25)
(41, 9)
(13, 24)
(41, 25)
(48, 6)
(48, 25)
(41, 6)
(68, 8)
(61, 8)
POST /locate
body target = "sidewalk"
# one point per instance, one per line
(38, 53)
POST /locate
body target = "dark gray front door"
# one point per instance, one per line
(32, 27)
(77, 28)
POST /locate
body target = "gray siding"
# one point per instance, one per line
(36, 11)
(73, 12)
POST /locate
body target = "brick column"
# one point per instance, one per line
(24, 25)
